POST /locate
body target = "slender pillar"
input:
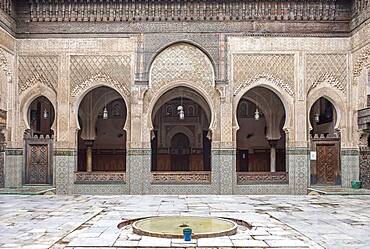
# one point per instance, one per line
(273, 144)
(89, 144)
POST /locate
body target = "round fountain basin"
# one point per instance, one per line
(172, 226)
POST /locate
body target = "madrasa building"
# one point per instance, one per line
(184, 96)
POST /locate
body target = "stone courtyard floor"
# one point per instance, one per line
(82, 222)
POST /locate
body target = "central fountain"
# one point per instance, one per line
(173, 226)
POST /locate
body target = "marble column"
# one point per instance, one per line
(273, 144)
(89, 144)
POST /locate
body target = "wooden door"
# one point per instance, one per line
(38, 163)
(327, 164)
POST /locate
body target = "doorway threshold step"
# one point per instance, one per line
(337, 190)
(28, 190)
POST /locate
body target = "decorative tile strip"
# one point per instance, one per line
(65, 152)
(251, 178)
(139, 152)
(14, 152)
(350, 152)
(224, 152)
(100, 177)
(297, 151)
(190, 177)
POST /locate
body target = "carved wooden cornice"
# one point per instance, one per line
(185, 10)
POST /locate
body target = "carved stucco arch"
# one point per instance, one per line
(185, 93)
(264, 106)
(95, 83)
(99, 104)
(206, 96)
(335, 97)
(180, 129)
(184, 41)
(32, 93)
(180, 65)
(285, 98)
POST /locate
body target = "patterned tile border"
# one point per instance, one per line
(139, 152)
(224, 152)
(100, 177)
(252, 178)
(191, 177)
(65, 152)
(14, 152)
(350, 152)
(297, 151)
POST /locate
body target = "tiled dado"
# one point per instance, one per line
(252, 178)
(191, 177)
(100, 177)
(365, 167)
(2, 182)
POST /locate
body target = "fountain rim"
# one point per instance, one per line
(226, 232)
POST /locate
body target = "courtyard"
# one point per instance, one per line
(83, 221)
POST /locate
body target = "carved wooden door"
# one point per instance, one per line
(327, 163)
(38, 163)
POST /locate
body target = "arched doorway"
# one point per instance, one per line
(325, 144)
(260, 138)
(41, 117)
(180, 138)
(38, 142)
(102, 115)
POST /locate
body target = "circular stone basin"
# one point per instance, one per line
(172, 226)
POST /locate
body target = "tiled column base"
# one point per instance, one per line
(13, 168)
(222, 165)
(2, 155)
(350, 166)
(297, 165)
(138, 168)
(64, 167)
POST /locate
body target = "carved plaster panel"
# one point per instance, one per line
(37, 69)
(108, 69)
(4, 65)
(279, 68)
(360, 59)
(330, 68)
(181, 62)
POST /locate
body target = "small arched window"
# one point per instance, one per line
(169, 110)
(191, 111)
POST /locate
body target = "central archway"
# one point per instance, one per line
(180, 137)
(261, 153)
(102, 115)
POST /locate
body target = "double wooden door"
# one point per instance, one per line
(327, 163)
(38, 161)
